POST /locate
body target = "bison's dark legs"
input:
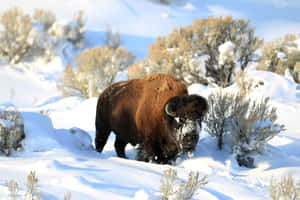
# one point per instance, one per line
(120, 147)
(102, 134)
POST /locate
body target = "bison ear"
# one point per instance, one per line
(170, 107)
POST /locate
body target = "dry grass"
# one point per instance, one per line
(173, 189)
(288, 188)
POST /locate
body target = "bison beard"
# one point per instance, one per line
(155, 112)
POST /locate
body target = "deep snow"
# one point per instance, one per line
(59, 148)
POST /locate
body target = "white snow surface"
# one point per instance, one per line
(59, 147)
(226, 51)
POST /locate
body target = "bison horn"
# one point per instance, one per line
(169, 112)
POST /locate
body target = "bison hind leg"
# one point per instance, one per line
(120, 147)
(102, 133)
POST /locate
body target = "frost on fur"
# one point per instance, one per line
(11, 130)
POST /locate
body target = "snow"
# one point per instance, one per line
(59, 149)
(59, 145)
(279, 88)
(23, 88)
(226, 51)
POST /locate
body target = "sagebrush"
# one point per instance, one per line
(11, 130)
(288, 188)
(280, 56)
(16, 37)
(94, 70)
(193, 53)
(250, 123)
(74, 31)
(24, 37)
(112, 39)
(173, 189)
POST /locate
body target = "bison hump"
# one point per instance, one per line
(164, 83)
(158, 89)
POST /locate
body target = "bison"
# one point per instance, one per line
(155, 112)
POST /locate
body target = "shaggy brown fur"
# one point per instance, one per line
(135, 111)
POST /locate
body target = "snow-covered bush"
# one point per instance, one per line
(250, 123)
(223, 107)
(210, 50)
(74, 31)
(172, 189)
(281, 55)
(252, 128)
(16, 37)
(246, 84)
(137, 70)
(45, 18)
(113, 39)
(94, 70)
(288, 188)
(11, 130)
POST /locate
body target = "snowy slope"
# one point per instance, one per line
(64, 160)
(59, 148)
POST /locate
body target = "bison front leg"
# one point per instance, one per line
(120, 147)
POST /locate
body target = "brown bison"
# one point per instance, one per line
(155, 112)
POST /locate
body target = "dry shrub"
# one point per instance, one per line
(45, 18)
(192, 53)
(252, 129)
(13, 188)
(173, 189)
(32, 191)
(286, 189)
(15, 36)
(68, 196)
(223, 107)
(250, 123)
(94, 70)
(137, 70)
(74, 31)
(113, 39)
(11, 130)
(296, 73)
(246, 84)
(280, 55)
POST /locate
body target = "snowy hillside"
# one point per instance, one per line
(64, 160)
(60, 131)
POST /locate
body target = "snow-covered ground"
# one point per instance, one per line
(59, 147)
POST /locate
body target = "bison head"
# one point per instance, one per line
(184, 115)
